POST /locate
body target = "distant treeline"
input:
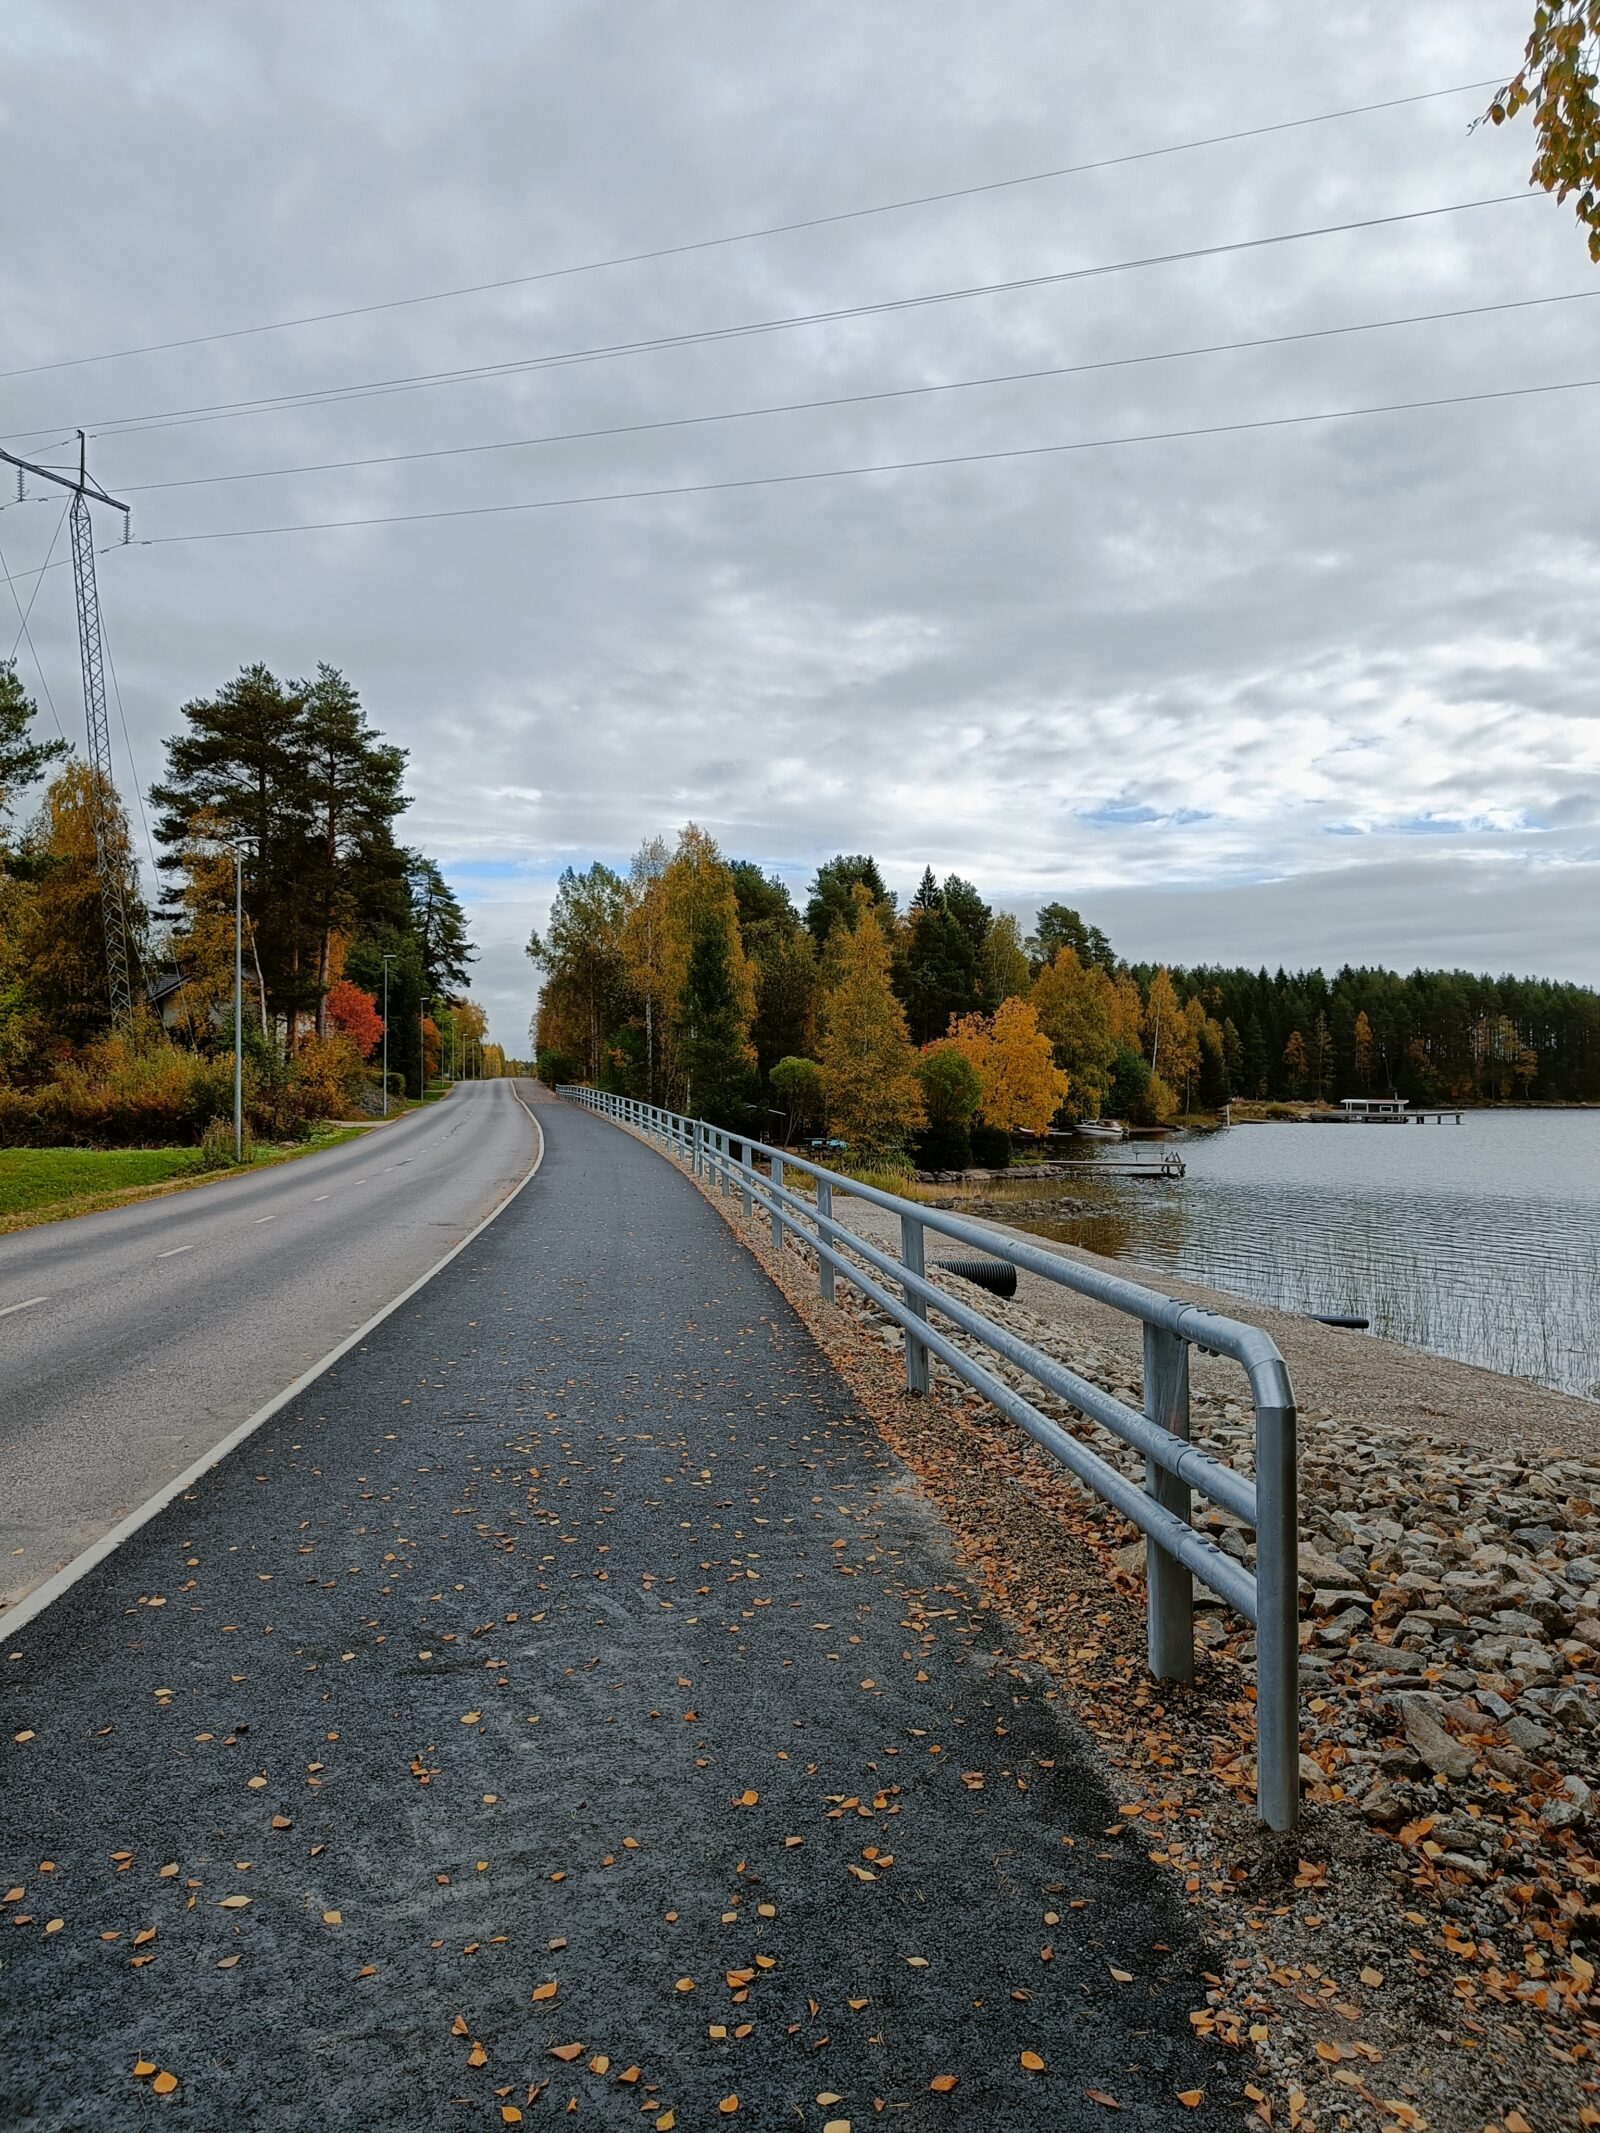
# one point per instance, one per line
(1435, 1036)
(939, 1029)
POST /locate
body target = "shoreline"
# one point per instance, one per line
(1377, 1384)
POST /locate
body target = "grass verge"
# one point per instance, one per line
(52, 1184)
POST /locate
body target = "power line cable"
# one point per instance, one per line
(38, 576)
(25, 631)
(776, 229)
(275, 403)
(899, 392)
(892, 466)
(21, 577)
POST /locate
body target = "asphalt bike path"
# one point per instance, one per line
(569, 1702)
(133, 1341)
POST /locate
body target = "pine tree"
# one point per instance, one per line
(712, 1051)
(832, 901)
(353, 792)
(927, 897)
(439, 924)
(22, 760)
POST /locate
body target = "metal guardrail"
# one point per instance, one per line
(1175, 1468)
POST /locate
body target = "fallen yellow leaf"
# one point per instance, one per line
(747, 1799)
(728, 2106)
(565, 2051)
(233, 1903)
(143, 2069)
(1191, 2099)
(470, 1718)
(164, 2083)
(942, 2084)
(510, 2115)
(477, 2056)
(546, 1991)
(1032, 2062)
(333, 1918)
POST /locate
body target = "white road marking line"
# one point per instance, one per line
(176, 1249)
(321, 1196)
(264, 1218)
(45, 1595)
(26, 1304)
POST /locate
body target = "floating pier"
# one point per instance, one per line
(1392, 1111)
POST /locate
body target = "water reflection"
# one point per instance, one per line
(1480, 1242)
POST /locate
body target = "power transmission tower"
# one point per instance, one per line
(91, 649)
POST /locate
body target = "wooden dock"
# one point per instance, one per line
(1170, 1165)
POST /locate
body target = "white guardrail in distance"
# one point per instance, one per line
(1176, 1553)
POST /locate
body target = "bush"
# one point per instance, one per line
(797, 1088)
(991, 1149)
(216, 1145)
(1130, 1083)
(121, 1093)
(325, 1077)
(554, 1067)
(946, 1145)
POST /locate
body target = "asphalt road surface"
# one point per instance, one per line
(567, 1707)
(131, 1342)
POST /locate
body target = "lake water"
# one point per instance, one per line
(1479, 1241)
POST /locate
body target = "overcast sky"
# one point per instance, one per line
(1303, 694)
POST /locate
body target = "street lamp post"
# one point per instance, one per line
(388, 959)
(238, 1004)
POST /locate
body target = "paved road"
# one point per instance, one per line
(569, 1694)
(133, 1341)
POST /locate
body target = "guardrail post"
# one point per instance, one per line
(777, 1210)
(747, 1172)
(1170, 1583)
(911, 1257)
(1278, 1626)
(824, 1214)
(724, 1161)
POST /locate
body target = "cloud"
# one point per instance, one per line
(1163, 680)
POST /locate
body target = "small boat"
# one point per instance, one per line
(1101, 1129)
